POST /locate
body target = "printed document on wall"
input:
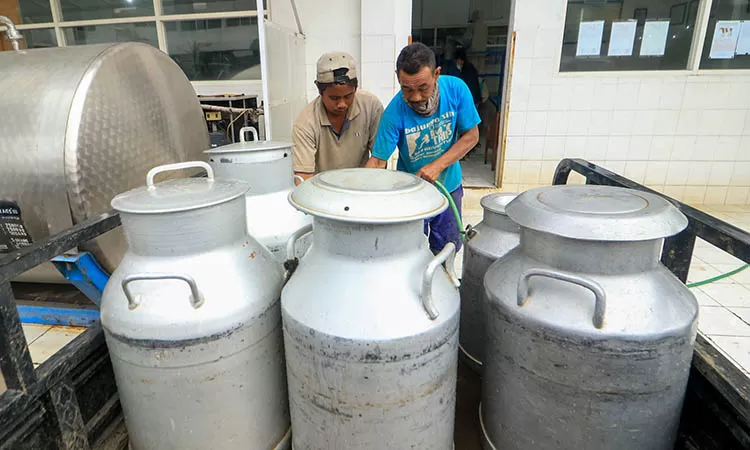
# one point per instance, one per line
(654, 41)
(590, 38)
(622, 38)
(743, 42)
(725, 39)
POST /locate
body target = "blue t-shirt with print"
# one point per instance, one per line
(421, 140)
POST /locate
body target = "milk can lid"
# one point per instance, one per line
(596, 213)
(496, 203)
(244, 145)
(249, 146)
(368, 196)
(178, 195)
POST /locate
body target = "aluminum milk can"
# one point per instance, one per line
(268, 167)
(493, 237)
(371, 317)
(192, 320)
(589, 336)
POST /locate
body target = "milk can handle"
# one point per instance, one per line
(196, 299)
(599, 294)
(299, 178)
(291, 243)
(447, 256)
(245, 130)
(177, 166)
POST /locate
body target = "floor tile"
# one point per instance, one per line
(742, 312)
(713, 255)
(32, 331)
(719, 321)
(703, 298)
(52, 341)
(737, 348)
(728, 294)
(701, 272)
(476, 174)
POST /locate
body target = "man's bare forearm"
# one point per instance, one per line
(458, 150)
(375, 163)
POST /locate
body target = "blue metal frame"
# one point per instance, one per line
(82, 270)
(51, 315)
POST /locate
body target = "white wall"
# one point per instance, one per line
(328, 26)
(372, 31)
(455, 13)
(684, 133)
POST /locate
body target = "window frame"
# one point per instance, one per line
(694, 58)
(249, 87)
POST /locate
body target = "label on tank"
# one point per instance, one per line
(13, 234)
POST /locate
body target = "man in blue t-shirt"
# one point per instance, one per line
(434, 123)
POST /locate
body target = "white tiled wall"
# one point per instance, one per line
(686, 134)
(333, 27)
(373, 32)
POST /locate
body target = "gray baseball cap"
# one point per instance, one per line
(336, 67)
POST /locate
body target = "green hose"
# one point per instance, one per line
(456, 213)
(718, 277)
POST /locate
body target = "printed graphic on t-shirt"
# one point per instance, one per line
(430, 140)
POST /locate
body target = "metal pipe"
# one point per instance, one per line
(255, 112)
(11, 32)
(264, 68)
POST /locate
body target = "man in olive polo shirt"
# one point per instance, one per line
(336, 130)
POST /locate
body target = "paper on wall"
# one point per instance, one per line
(622, 38)
(654, 42)
(590, 38)
(724, 43)
(743, 41)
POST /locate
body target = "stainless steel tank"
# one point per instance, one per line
(371, 317)
(80, 124)
(267, 167)
(492, 238)
(192, 320)
(589, 337)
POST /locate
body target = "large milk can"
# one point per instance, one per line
(192, 320)
(589, 337)
(493, 237)
(267, 167)
(371, 317)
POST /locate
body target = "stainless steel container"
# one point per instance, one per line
(493, 237)
(589, 337)
(267, 167)
(80, 124)
(192, 320)
(371, 317)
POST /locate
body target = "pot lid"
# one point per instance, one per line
(496, 203)
(368, 196)
(596, 213)
(255, 145)
(249, 146)
(178, 195)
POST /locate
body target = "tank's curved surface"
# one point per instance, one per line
(79, 125)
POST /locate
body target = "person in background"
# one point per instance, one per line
(337, 129)
(461, 67)
(434, 123)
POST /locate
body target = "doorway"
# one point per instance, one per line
(478, 28)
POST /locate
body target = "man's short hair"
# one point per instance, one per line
(460, 54)
(414, 57)
(323, 86)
